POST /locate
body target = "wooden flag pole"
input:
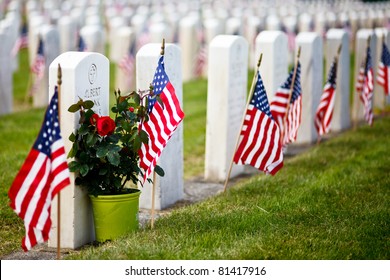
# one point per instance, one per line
(290, 93)
(59, 82)
(361, 91)
(154, 173)
(336, 59)
(243, 119)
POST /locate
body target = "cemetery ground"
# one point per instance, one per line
(329, 202)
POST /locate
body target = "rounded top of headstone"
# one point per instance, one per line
(335, 33)
(270, 35)
(225, 41)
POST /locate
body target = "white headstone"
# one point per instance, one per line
(115, 24)
(379, 95)
(160, 31)
(68, 34)
(226, 99)
(34, 25)
(189, 43)
(169, 189)
(311, 60)
(341, 114)
(306, 23)
(84, 75)
(125, 76)
(234, 26)
(6, 86)
(273, 69)
(94, 38)
(273, 22)
(360, 56)
(51, 42)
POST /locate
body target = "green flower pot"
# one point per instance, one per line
(115, 215)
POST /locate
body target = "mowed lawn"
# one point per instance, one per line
(330, 202)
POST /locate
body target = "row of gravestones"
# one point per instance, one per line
(58, 24)
(86, 75)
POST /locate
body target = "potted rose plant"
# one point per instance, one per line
(105, 155)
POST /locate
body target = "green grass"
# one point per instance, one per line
(329, 203)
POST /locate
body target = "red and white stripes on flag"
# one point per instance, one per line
(365, 86)
(44, 173)
(288, 122)
(383, 77)
(260, 144)
(127, 64)
(38, 67)
(201, 57)
(163, 120)
(324, 111)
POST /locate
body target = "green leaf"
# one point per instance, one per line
(144, 136)
(73, 166)
(91, 139)
(73, 151)
(103, 171)
(160, 172)
(84, 169)
(159, 100)
(88, 104)
(102, 151)
(72, 137)
(137, 143)
(113, 158)
(84, 129)
(74, 108)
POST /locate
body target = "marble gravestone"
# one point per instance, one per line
(170, 188)
(51, 49)
(226, 99)
(360, 55)
(273, 69)
(341, 119)
(311, 60)
(84, 75)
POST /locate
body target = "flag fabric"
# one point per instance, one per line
(81, 46)
(143, 38)
(383, 78)
(201, 57)
(127, 64)
(324, 111)
(44, 173)
(260, 144)
(365, 86)
(22, 41)
(163, 120)
(288, 122)
(38, 66)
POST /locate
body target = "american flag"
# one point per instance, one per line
(324, 111)
(81, 46)
(365, 86)
(38, 66)
(383, 78)
(163, 120)
(127, 64)
(201, 57)
(260, 144)
(44, 173)
(143, 37)
(288, 122)
(22, 41)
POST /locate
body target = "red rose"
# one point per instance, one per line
(94, 118)
(105, 126)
